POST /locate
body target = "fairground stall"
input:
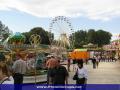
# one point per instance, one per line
(34, 54)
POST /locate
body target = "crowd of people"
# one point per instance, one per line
(13, 74)
(56, 73)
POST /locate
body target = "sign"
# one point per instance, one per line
(24, 46)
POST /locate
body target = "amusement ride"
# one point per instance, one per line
(61, 35)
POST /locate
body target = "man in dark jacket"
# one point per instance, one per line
(59, 75)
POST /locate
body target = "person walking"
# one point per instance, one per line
(97, 61)
(19, 69)
(94, 62)
(81, 75)
(68, 64)
(74, 62)
(59, 75)
(50, 64)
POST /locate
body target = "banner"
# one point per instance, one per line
(61, 87)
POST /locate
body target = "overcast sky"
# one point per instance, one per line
(22, 15)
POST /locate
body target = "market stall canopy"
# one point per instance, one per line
(79, 54)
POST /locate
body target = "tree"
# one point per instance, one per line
(27, 36)
(39, 31)
(80, 38)
(91, 35)
(102, 37)
(4, 31)
(99, 37)
(51, 36)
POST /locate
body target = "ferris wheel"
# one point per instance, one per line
(61, 32)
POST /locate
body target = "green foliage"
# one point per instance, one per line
(102, 37)
(99, 37)
(91, 35)
(39, 31)
(27, 36)
(80, 38)
(4, 31)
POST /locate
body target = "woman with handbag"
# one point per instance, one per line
(81, 73)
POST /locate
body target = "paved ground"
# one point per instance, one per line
(107, 73)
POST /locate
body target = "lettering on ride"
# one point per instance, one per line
(20, 46)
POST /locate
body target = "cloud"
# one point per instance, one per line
(92, 9)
